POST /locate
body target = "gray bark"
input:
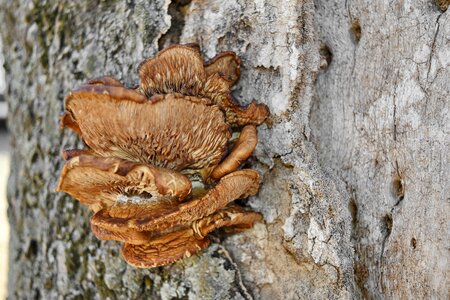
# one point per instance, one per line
(354, 157)
(381, 122)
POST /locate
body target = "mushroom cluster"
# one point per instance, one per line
(155, 170)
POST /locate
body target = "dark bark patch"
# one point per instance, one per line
(442, 4)
(355, 29)
(397, 188)
(386, 226)
(388, 222)
(353, 208)
(33, 249)
(177, 11)
(326, 56)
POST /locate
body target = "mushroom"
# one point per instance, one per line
(180, 68)
(171, 131)
(101, 182)
(185, 242)
(155, 170)
(237, 185)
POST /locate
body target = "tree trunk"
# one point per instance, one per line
(354, 158)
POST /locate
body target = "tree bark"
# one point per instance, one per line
(381, 122)
(354, 157)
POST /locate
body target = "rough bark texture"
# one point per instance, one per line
(381, 121)
(354, 165)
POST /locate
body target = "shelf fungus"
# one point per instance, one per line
(158, 170)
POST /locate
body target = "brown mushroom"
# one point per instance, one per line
(102, 182)
(239, 184)
(232, 216)
(225, 64)
(130, 235)
(142, 143)
(180, 69)
(164, 251)
(242, 150)
(185, 242)
(175, 132)
(176, 69)
(105, 80)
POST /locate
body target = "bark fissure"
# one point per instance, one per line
(433, 45)
(386, 226)
(177, 10)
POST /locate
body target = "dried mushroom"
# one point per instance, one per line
(155, 171)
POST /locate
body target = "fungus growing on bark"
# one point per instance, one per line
(187, 241)
(103, 182)
(171, 131)
(146, 146)
(180, 69)
(161, 215)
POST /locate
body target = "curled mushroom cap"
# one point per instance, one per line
(168, 248)
(165, 250)
(232, 216)
(242, 150)
(239, 184)
(180, 68)
(176, 69)
(130, 235)
(172, 131)
(102, 182)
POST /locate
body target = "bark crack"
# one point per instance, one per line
(177, 12)
(238, 277)
(354, 23)
(433, 45)
(395, 112)
(386, 230)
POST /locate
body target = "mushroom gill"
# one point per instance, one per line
(184, 242)
(180, 68)
(102, 182)
(171, 131)
(239, 184)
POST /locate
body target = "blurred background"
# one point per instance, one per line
(4, 172)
